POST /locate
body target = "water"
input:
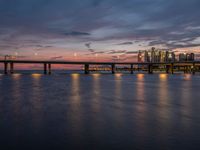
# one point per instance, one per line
(99, 111)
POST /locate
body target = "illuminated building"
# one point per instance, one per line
(140, 56)
(186, 57)
(170, 57)
(147, 56)
(182, 57)
(190, 57)
(157, 56)
(162, 56)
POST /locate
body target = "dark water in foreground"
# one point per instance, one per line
(100, 111)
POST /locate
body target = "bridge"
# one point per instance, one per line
(169, 67)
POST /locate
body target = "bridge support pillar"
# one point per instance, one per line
(150, 69)
(178, 68)
(11, 68)
(45, 68)
(5, 68)
(87, 68)
(49, 68)
(167, 69)
(172, 68)
(184, 68)
(113, 68)
(131, 68)
(193, 68)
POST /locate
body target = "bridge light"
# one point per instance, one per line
(16, 53)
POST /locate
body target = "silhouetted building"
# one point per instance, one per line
(182, 57)
(190, 57)
(147, 56)
(186, 57)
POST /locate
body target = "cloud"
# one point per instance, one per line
(125, 43)
(91, 50)
(132, 52)
(41, 47)
(22, 57)
(116, 51)
(57, 57)
(76, 33)
(88, 45)
(96, 52)
(174, 44)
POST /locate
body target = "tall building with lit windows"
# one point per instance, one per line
(147, 56)
(190, 57)
(162, 56)
(186, 57)
(170, 56)
(156, 56)
(140, 56)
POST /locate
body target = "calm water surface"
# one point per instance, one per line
(100, 111)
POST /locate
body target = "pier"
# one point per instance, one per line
(168, 67)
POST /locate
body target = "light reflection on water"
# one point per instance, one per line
(75, 105)
(36, 101)
(187, 101)
(96, 92)
(141, 108)
(36, 76)
(118, 101)
(163, 107)
(187, 76)
(16, 96)
(140, 77)
(80, 111)
(163, 77)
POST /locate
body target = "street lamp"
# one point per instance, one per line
(118, 57)
(96, 56)
(16, 53)
(75, 56)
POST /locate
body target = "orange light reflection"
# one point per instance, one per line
(187, 77)
(140, 77)
(163, 77)
(36, 75)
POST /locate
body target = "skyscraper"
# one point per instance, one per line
(140, 56)
(157, 56)
(186, 57)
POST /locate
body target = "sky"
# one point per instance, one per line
(97, 30)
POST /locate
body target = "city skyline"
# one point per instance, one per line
(70, 30)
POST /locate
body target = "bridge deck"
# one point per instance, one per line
(169, 66)
(93, 63)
